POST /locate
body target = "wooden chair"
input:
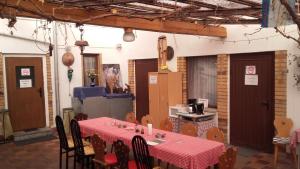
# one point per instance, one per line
(130, 117)
(122, 153)
(283, 127)
(65, 145)
(166, 125)
(146, 119)
(215, 134)
(228, 159)
(101, 158)
(141, 153)
(81, 151)
(81, 116)
(189, 129)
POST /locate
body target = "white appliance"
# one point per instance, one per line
(173, 110)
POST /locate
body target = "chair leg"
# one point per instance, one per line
(60, 157)
(295, 157)
(67, 160)
(74, 161)
(82, 163)
(275, 155)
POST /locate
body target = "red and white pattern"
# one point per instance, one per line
(295, 139)
(203, 126)
(180, 150)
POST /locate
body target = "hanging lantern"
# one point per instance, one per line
(81, 43)
(68, 57)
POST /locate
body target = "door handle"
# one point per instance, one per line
(41, 92)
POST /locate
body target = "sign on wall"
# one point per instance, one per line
(251, 78)
(250, 70)
(24, 76)
(152, 79)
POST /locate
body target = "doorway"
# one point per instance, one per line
(25, 92)
(142, 68)
(252, 100)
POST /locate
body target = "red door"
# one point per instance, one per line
(252, 100)
(142, 68)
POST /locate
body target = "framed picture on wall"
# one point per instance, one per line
(112, 76)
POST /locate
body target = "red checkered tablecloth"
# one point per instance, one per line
(295, 138)
(180, 150)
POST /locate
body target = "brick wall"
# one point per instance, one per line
(131, 79)
(280, 83)
(222, 92)
(2, 101)
(182, 67)
(50, 91)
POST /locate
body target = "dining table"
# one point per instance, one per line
(183, 151)
(295, 144)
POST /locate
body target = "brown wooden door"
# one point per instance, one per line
(142, 68)
(25, 90)
(252, 106)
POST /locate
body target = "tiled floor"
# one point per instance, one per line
(44, 155)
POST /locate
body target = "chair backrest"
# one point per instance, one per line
(99, 147)
(81, 116)
(141, 153)
(189, 129)
(61, 133)
(146, 119)
(122, 153)
(166, 125)
(283, 126)
(215, 134)
(76, 135)
(130, 117)
(228, 158)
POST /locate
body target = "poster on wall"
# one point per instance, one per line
(25, 76)
(112, 75)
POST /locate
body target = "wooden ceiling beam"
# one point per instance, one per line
(246, 2)
(254, 12)
(60, 13)
(201, 4)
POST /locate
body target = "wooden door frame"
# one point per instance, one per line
(45, 82)
(273, 87)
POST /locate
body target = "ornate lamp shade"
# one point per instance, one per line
(128, 35)
(68, 59)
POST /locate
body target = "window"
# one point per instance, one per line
(90, 64)
(202, 78)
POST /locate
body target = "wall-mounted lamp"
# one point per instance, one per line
(128, 35)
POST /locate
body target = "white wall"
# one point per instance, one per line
(104, 40)
(24, 44)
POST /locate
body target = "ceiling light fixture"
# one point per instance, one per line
(128, 35)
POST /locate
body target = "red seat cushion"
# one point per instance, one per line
(131, 164)
(110, 158)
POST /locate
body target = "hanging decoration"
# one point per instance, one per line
(68, 60)
(162, 52)
(81, 43)
(70, 73)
